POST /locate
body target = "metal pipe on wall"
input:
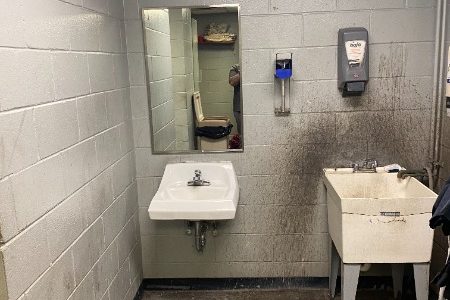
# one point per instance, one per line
(438, 74)
(438, 89)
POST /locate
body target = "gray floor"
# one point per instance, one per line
(263, 294)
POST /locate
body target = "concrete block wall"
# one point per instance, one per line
(215, 62)
(159, 79)
(68, 210)
(196, 66)
(281, 225)
(183, 76)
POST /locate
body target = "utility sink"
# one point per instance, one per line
(377, 217)
(176, 200)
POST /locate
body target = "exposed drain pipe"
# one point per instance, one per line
(438, 74)
(200, 237)
(200, 229)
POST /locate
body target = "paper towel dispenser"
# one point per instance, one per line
(353, 61)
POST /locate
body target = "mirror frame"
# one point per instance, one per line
(187, 152)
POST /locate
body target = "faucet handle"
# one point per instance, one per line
(197, 175)
(371, 163)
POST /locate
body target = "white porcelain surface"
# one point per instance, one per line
(175, 200)
(357, 220)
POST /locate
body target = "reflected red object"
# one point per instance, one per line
(235, 142)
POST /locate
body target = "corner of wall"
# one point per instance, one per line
(3, 286)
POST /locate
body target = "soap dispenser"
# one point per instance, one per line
(283, 74)
(353, 61)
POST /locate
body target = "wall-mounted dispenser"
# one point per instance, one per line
(283, 72)
(353, 61)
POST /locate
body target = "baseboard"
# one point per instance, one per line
(232, 283)
(165, 284)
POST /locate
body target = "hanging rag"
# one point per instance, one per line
(443, 277)
(441, 210)
(441, 216)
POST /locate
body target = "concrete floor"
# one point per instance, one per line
(263, 294)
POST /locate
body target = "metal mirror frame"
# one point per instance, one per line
(178, 152)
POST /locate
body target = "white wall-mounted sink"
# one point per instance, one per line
(377, 217)
(175, 200)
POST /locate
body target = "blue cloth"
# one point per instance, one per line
(441, 210)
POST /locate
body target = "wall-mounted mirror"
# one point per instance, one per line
(192, 58)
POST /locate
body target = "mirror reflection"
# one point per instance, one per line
(193, 78)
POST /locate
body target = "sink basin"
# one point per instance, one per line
(378, 218)
(175, 200)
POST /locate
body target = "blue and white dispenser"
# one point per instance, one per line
(283, 72)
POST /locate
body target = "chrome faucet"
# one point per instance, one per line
(197, 180)
(367, 166)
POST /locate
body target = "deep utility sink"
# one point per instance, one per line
(379, 218)
(177, 198)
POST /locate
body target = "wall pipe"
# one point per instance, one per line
(438, 90)
(438, 74)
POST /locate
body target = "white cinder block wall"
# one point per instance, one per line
(281, 228)
(68, 221)
(159, 78)
(183, 75)
(68, 196)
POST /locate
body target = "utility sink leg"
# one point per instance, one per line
(349, 280)
(334, 269)
(421, 279)
(397, 279)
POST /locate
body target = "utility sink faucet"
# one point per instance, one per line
(197, 180)
(367, 166)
